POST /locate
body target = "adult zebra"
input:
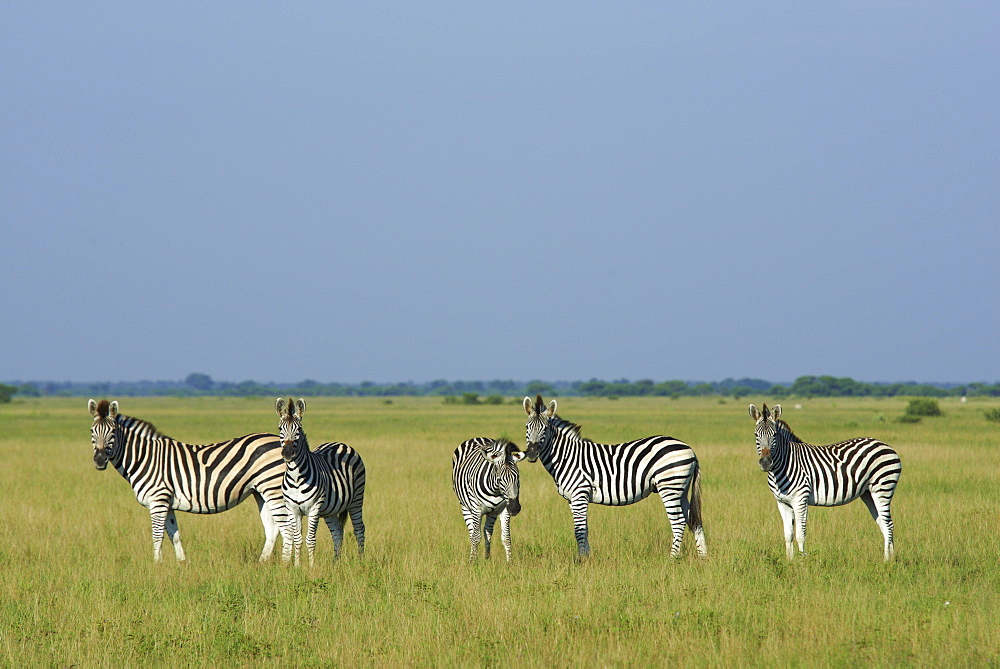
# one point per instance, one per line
(168, 475)
(486, 481)
(327, 483)
(801, 474)
(616, 474)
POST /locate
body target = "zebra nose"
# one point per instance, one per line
(765, 463)
(514, 506)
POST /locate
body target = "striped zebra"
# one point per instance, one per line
(168, 475)
(801, 474)
(327, 483)
(617, 474)
(486, 481)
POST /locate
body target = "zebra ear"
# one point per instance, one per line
(551, 411)
(301, 404)
(527, 405)
(92, 405)
(113, 409)
(517, 456)
(279, 406)
(754, 413)
(776, 411)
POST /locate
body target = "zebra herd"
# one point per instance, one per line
(289, 480)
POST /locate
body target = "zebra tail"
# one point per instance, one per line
(694, 514)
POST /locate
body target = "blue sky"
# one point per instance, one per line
(411, 191)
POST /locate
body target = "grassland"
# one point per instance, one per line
(78, 585)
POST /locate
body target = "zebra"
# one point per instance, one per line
(616, 474)
(486, 481)
(801, 474)
(328, 482)
(168, 475)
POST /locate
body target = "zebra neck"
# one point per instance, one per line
(134, 450)
(785, 436)
(561, 437)
(781, 451)
(302, 454)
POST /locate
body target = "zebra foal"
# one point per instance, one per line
(327, 483)
(167, 475)
(486, 481)
(802, 475)
(586, 473)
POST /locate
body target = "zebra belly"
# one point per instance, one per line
(615, 498)
(828, 498)
(323, 506)
(183, 500)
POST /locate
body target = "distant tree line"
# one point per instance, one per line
(201, 384)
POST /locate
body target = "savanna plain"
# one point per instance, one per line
(78, 585)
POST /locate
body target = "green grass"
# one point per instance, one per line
(78, 584)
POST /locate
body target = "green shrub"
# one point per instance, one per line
(993, 415)
(493, 399)
(923, 406)
(908, 418)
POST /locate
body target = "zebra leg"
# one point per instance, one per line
(335, 523)
(270, 527)
(488, 525)
(788, 524)
(692, 512)
(883, 518)
(801, 509)
(505, 532)
(358, 524)
(157, 515)
(313, 521)
(578, 507)
(175, 535)
(296, 544)
(677, 512)
(473, 519)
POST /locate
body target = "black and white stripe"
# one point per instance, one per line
(486, 481)
(327, 483)
(615, 475)
(802, 475)
(168, 475)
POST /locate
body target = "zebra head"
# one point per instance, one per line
(504, 456)
(290, 430)
(538, 423)
(103, 431)
(767, 429)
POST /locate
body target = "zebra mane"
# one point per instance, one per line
(784, 427)
(143, 427)
(565, 426)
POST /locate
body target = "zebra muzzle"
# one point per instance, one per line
(765, 461)
(514, 506)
